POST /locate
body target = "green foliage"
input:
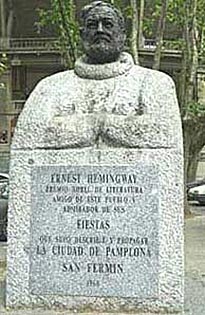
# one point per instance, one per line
(177, 44)
(127, 10)
(117, 3)
(180, 11)
(152, 13)
(175, 15)
(62, 17)
(196, 109)
(176, 12)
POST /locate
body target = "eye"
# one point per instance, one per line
(108, 24)
(91, 24)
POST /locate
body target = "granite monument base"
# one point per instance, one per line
(96, 230)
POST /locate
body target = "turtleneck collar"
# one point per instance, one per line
(103, 71)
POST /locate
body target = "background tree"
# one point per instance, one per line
(62, 17)
(191, 21)
(134, 30)
(140, 27)
(188, 18)
(6, 21)
(160, 34)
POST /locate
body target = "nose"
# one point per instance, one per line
(100, 27)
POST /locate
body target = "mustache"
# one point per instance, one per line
(98, 37)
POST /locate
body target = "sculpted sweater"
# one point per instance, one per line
(117, 104)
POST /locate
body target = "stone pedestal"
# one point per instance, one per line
(114, 244)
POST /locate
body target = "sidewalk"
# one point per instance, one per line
(195, 265)
(194, 273)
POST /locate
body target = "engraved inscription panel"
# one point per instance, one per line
(94, 231)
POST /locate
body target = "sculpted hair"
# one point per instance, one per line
(88, 8)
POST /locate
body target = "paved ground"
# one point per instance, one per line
(194, 274)
(195, 265)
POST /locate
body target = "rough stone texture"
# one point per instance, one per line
(117, 258)
(117, 104)
(170, 227)
(194, 279)
(119, 115)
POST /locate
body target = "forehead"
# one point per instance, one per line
(102, 12)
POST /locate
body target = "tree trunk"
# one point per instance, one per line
(187, 145)
(188, 95)
(192, 168)
(160, 35)
(194, 142)
(202, 38)
(134, 31)
(140, 33)
(10, 19)
(185, 64)
(183, 82)
(192, 90)
(3, 19)
(69, 55)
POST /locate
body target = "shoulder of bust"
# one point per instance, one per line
(153, 77)
(57, 79)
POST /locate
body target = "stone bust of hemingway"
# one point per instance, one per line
(106, 101)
